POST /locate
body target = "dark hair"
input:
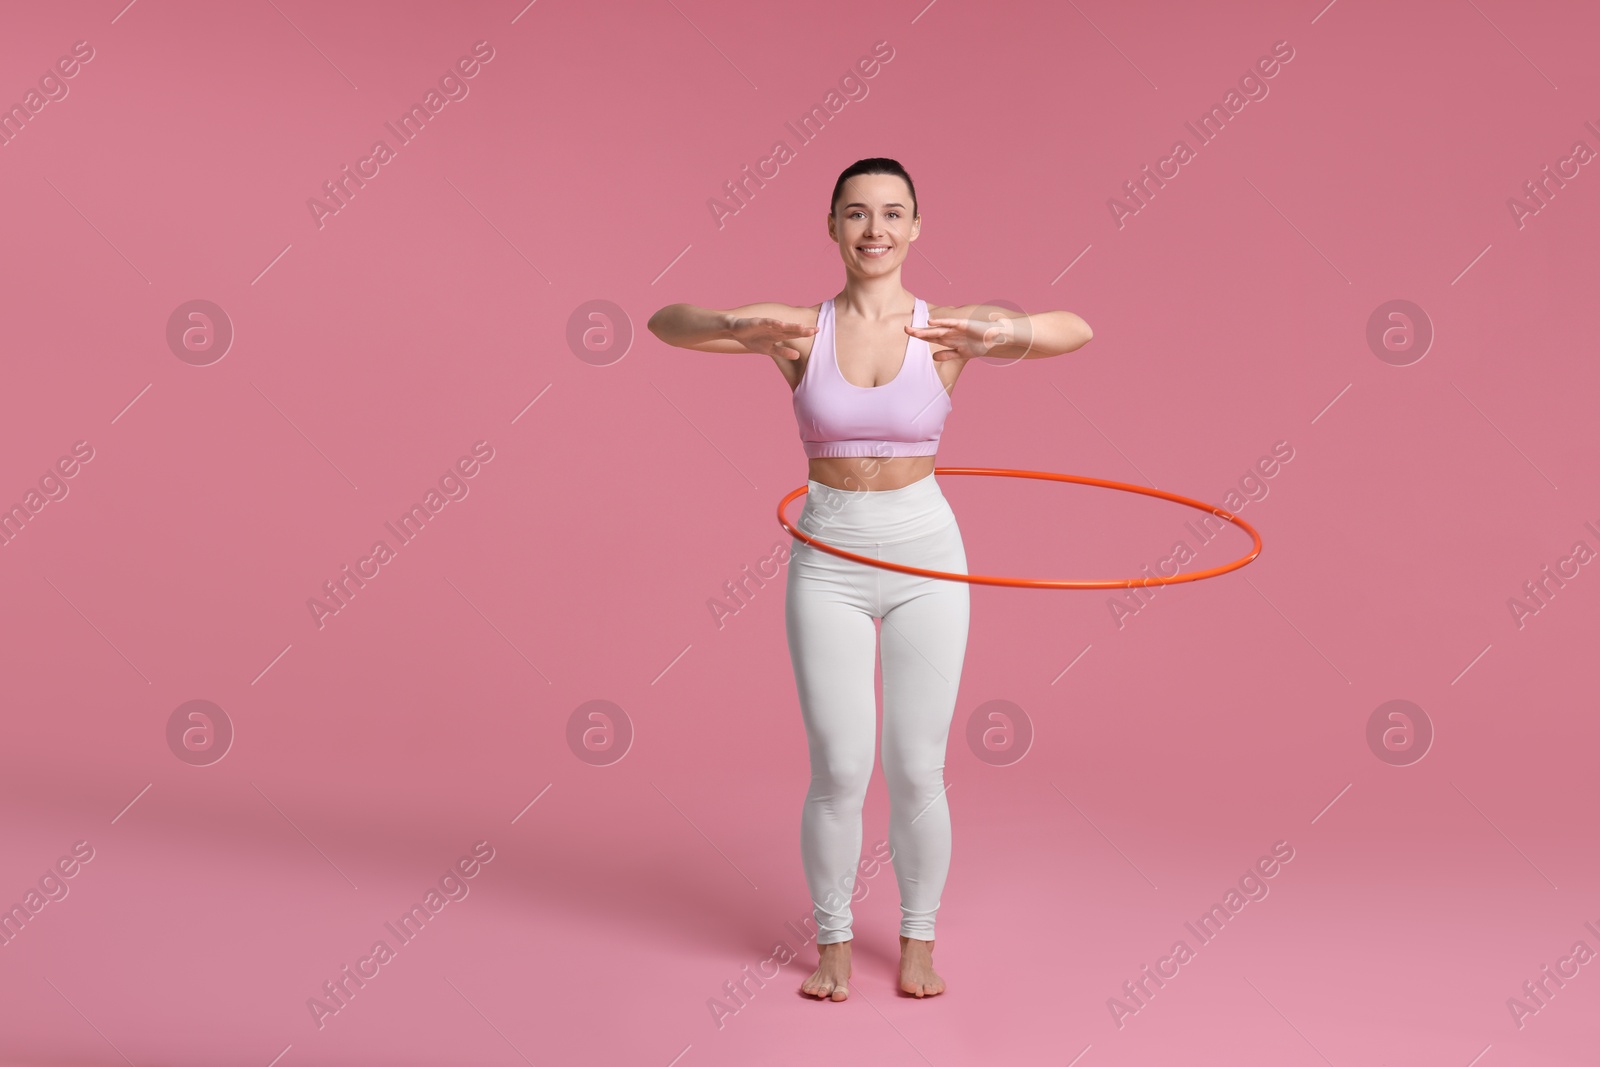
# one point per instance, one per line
(875, 165)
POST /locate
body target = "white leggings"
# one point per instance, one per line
(829, 612)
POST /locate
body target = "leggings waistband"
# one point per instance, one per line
(846, 518)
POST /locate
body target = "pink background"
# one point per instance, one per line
(627, 486)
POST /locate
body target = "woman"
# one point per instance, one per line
(870, 414)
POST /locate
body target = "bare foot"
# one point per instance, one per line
(917, 975)
(831, 978)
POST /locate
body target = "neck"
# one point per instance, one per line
(874, 298)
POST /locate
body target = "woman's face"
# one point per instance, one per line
(872, 223)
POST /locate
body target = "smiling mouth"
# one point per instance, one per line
(873, 251)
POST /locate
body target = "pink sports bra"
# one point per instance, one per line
(903, 417)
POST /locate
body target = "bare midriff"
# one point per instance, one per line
(875, 473)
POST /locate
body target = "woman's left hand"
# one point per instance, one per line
(967, 338)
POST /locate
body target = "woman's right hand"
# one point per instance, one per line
(768, 335)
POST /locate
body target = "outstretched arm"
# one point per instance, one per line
(688, 326)
(990, 330)
(761, 328)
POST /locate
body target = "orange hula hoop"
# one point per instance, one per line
(1047, 583)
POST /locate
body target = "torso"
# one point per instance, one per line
(867, 358)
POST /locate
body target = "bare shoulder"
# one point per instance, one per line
(804, 316)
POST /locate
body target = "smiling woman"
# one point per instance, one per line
(872, 370)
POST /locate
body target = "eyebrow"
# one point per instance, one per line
(902, 207)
